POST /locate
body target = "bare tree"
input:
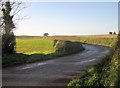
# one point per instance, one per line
(9, 11)
(16, 7)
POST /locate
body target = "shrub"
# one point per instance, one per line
(13, 59)
(68, 47)
(8, 43)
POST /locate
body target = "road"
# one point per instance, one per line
(56, 72)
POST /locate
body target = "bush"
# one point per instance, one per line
(13, 59)
(8, 43)
(67, 46)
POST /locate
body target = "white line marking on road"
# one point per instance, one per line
(41, 64)
(31, 66)
(25, 68)
(82, 62)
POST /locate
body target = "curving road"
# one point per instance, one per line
(56, 72)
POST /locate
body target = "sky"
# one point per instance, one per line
(68, 18)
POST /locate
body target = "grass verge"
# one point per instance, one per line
(104, 74)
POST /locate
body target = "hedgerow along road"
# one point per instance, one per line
(56, 72)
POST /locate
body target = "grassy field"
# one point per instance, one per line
(44, 45)
(31, 45)
(105, 40)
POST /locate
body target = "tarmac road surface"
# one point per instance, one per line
(56, 72)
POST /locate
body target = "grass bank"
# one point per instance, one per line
(104, 74)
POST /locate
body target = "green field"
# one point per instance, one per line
(33, 45)
(44, 45)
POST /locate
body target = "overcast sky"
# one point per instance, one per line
(68, 18)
